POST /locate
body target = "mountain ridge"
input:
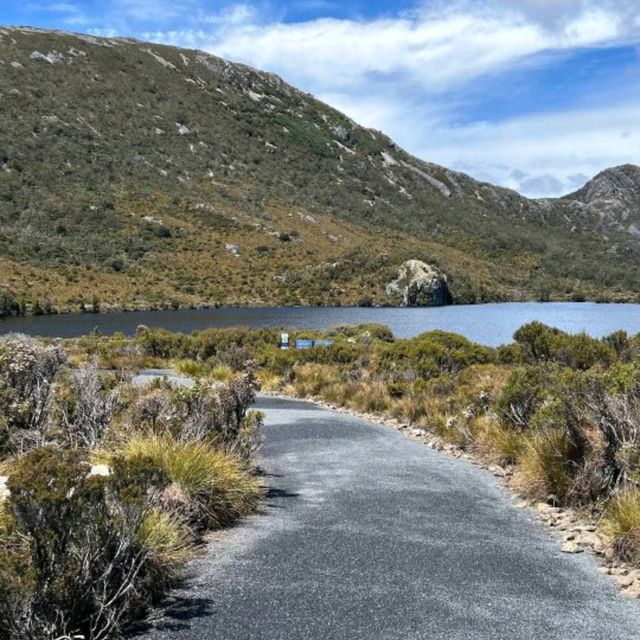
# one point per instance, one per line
(124, 155)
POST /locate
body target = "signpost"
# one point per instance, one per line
(323, 343)
(303, 344)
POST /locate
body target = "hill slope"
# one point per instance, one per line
(143, 174)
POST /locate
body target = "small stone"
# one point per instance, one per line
(571, 547)
(624, 581)
(632, 591)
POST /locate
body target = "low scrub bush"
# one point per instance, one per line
(524, 393)
(28, 369)
(581, 352)
(83, 551)
(73, 562)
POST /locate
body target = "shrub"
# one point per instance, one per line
(432, 354)
(77, 551)
(28, 369)
(545, 344)
(523, 394)
(85, 407)
(536, 339)
(362, 332)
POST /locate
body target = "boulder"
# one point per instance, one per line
(419, 285)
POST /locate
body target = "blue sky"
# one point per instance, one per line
(536, 95)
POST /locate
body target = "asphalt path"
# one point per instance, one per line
(369, 535)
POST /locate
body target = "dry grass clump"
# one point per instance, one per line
(370, 397)
(622, 524)
(169, 542)
(543, 466)
(269, 381)
(218, 489)
(312, 379)
(502, 444)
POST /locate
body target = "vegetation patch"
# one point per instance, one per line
(110, 485)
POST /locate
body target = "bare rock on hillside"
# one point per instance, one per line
(419, 285)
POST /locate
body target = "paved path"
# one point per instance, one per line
(369, 535)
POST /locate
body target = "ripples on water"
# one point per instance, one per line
(491, 324)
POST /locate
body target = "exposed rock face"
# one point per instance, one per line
(612, 199)
(420, 285)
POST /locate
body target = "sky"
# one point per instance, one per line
(535, 95)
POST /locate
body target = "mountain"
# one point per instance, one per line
(611, 200)
(144, 175)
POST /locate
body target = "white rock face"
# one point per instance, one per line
(420, 285)
(4, 492)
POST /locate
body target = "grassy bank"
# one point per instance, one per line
(111, 485)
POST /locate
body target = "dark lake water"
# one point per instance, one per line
(491, 324)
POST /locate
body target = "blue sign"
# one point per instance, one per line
(304, 344)
(323, 343)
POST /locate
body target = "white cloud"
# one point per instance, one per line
(546, 151)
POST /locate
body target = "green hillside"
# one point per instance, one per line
(142, 175)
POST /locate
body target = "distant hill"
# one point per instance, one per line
(143, 175)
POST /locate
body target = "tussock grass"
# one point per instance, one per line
(191, 368)
(312, 379)
(543, 466)
(269, 381)
(5, 467)
(221, 373)
(371, 397)
(218, 489)
(622, 524)
(169, 543)
(503, 444)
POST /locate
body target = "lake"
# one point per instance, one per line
(490, 324)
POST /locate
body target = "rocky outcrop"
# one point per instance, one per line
(419, 285)
(611, 199)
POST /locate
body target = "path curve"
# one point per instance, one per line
(368, 535)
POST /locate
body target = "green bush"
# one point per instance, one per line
(525, 391)
(546, 344)
(76, 547)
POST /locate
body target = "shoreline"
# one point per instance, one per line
(107, 310)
